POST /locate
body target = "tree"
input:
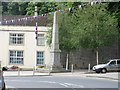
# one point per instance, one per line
(27, 8)
(89, 27)
(14, 8)
(65, 34)
(96, 28)
(114, 8)
(43, 7)
(4, 7)
(22, 8)
(65, 28)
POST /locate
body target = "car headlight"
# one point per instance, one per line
(93, 68)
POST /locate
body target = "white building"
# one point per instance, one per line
(19, 47)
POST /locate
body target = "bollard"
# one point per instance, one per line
(88, 67)
(72, 68)
(49, 71)
(67, 63)
(18, 71)
(33, 71)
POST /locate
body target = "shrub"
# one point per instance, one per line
(40, 66)
(14, 67)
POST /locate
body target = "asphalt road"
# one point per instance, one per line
(58, 82)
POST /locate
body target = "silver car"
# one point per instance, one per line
(111, 65)
(2, 83)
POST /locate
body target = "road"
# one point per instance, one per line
(58, 82)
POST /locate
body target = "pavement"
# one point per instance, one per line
(91, 74)
(81, 73)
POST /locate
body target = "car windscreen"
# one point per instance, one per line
(105, 62)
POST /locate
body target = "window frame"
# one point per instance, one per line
(40, 40)
(17, 37)
(43, 62)
(16, 57)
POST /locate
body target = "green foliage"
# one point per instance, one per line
(40, 66)
(43, 7)
(65, 32)
(64, 5)
(27, 8)
(49, 37)
(14, 8)
(22, 8)
(89, 27)
(30, 9)
(114, 8)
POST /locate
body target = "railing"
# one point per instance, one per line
(32, 72)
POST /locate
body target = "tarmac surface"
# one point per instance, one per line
(81, 73)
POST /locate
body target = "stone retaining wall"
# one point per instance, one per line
(83, 57)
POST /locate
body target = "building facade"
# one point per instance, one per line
(20, 48)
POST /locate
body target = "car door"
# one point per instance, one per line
(112, 66)
(118, 65)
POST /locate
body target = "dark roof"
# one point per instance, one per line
(30, 21)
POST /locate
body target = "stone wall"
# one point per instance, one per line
(83, 57)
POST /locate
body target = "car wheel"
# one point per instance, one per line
(103, 70)
(97, 71)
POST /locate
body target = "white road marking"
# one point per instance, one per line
(47, 81)
(63, 84)
(76, 85)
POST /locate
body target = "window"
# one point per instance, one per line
(40, 58)
(41, 40)
(16, 39)
(16, 57)
(112, 62)
(118, 61)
